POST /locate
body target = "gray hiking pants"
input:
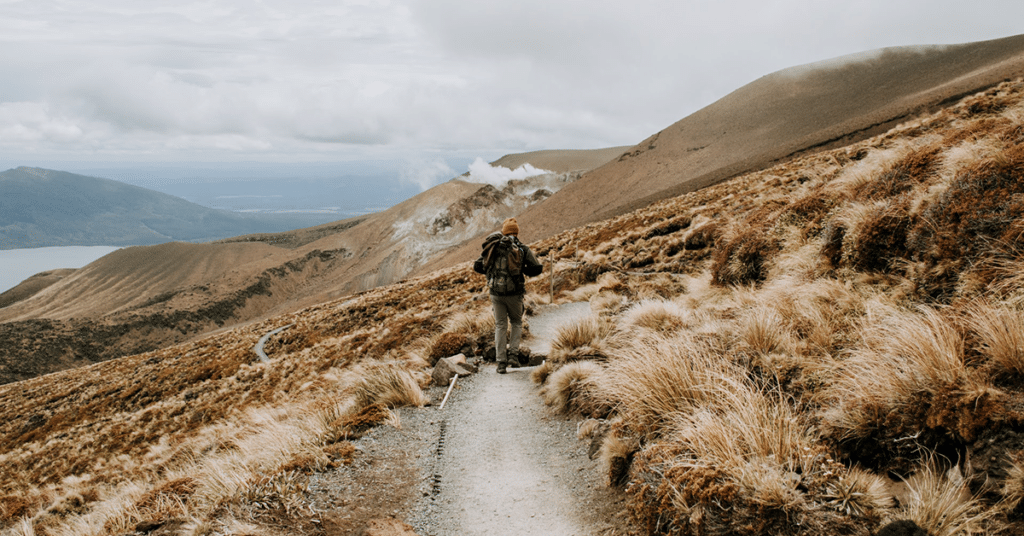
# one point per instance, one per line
(507, 309)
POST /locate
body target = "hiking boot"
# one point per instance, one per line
(514, 360)
(501, 367)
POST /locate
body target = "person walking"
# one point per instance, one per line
(506, 262)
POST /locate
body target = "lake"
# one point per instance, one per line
(17, 265)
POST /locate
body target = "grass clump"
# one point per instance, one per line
(572, 389)
(652, 381)
(388, 385)
(658, 316)
(744, 259)
(1000, 336)
(940, 502)
(447, 345)
(579, 339)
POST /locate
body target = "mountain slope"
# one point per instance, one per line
(830, 103)
(142, 298)
(768, 352)
(807, 108)
(40, 207)
(774, 118)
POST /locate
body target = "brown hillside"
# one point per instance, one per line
(806, 108)
(141, 298)
(33, 286)
(563, 160)
(820, 347)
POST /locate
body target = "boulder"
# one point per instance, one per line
(460, 359)
(445, 369)
(531, 359)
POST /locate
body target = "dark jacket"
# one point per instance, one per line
(531, 266)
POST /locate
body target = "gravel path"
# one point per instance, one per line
(505, 463)
(494, 461)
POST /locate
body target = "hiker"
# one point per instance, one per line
(506, 261)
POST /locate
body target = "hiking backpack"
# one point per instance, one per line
(505, 267)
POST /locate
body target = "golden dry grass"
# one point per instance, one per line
(877, 349)
(579, 338)
(833, 321)
(615, 456)
(904, 355)
(1013, 487)
(653, 381)
(388, 385)
(941, 503)
(572, 389)
(659, 316)
(208, 412)
(1000, 332)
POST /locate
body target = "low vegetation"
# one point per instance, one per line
(822, 347)
(841, 352)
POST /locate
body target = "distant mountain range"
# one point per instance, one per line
(41, 207)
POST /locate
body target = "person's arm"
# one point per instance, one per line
(531, 266)
(478, 266)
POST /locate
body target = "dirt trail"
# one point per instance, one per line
(506, 464)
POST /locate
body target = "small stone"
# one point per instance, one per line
(446, 369)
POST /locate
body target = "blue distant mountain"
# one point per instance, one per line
(41, 207)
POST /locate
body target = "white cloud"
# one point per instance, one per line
(482, 172)
(324, 79)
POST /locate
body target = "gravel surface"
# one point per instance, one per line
(494, 461)
(504, 463)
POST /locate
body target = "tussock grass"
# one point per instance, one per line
(763, 330)
(1000, 332)
(585, 332)
(540, 374)
(745, 425)
(1013, 486)
(587, 428)
(904, 354)
(116, 514)
(446, 345)
(615, 457)
(607, 302)
(477, 324)
(659, 316)
(940, 503)
(584, 293)
(860, 493)
(846, 278)
(653, 381)
(855, 177)
(388, 385)
(572, 389)
(658, 286)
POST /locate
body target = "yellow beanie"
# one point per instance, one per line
(510, 227)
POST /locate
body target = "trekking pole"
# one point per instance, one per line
(450, 387)
(551, 278)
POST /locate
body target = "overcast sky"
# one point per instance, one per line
(326, 80)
